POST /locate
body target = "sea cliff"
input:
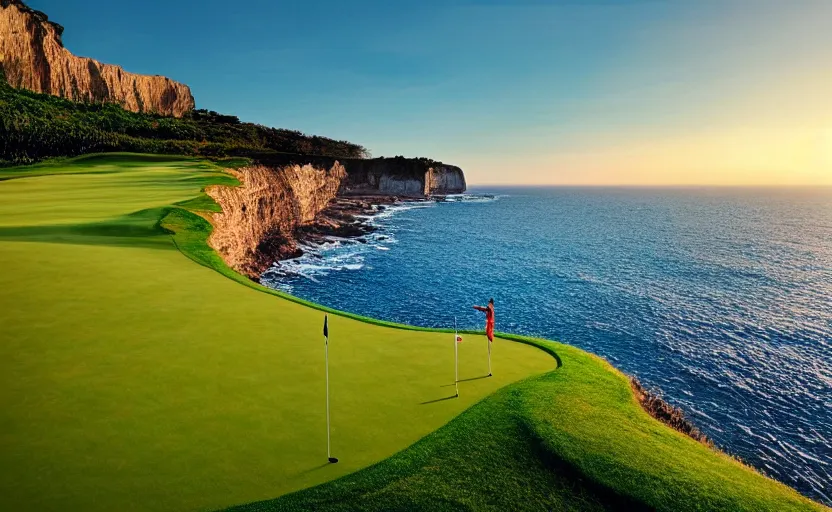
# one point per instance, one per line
(32, 56)
(259, 219)
(289, 200)
(408, 177)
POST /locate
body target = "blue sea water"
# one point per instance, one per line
(720, 298)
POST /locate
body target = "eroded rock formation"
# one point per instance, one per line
(407, 177)
(292, 198)
(33, 57)
(259, 219)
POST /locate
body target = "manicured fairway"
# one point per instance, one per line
(132, 378)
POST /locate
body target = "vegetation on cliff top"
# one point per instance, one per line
(38, 126)
(133, 378)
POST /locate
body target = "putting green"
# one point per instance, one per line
(133, 378)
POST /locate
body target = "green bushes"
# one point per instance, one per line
(37, 126)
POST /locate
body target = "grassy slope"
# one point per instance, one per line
(131, 378)
(572, 439)
(167, 430)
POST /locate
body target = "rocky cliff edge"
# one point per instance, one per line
(291, 198)
(407, 177)
(259, 219)
(33, 57)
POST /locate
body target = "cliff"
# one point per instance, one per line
(287, 198)
(397, 176)
(410, 177)
(33, 57)
(260, 218)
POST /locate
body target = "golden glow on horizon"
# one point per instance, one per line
(733, 105)
(786, 140)
(825, 151)
(739, 157)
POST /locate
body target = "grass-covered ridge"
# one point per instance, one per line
(133, 379)
(37, 126)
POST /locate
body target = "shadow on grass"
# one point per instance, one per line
(474, 378)
(139, 229)
(314, 469)
(574, 478)
(465, 380)
(439, 400)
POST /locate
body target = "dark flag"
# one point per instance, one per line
(326, 328)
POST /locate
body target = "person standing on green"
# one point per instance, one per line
(489, 327)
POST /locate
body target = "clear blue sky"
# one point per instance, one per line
(569, 91)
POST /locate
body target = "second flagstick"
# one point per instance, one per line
(456, 358)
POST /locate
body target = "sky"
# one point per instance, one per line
(572, 92)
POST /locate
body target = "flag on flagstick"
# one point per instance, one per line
(326, 359)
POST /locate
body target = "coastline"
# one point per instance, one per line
(350, 217)
(346, 216)
(563, 416)
(278, 209)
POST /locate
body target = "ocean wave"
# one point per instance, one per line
(469, 198)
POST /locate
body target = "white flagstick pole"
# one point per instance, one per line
(328, 452)
(456, 358)
(326, 358)
(489, 355)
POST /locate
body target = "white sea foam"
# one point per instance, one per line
(338, 254)
(471, 198)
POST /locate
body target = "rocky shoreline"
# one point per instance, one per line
(344, 217)
(278, 210)
(347, 217)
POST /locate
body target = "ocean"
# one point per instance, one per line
(719, 298)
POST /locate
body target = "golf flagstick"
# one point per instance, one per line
(326, 359)
(489, 355)
(456, 358)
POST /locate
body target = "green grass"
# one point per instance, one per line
(134, 379)
(572, 439)
(131, 378)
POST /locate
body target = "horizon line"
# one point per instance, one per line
(647, 185)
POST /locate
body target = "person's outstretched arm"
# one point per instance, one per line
(480, 308)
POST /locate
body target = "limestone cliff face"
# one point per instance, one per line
(259, 219)
(409, 177)
(33, 57)
(444, 179)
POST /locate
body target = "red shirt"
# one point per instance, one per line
(489, 320)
